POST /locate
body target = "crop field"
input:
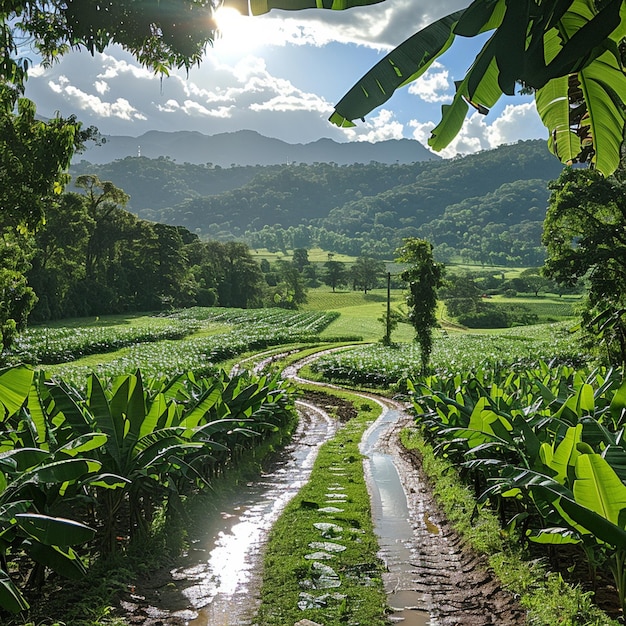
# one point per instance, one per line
(57, 344)
(207, 336)
(380, 366)
(542, 444)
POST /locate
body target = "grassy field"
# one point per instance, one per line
(359, 312)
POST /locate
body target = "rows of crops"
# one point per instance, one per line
(91, 468)
(63, 344)
(381, 366)
(545, 447)
(252, 330)
(58, 345)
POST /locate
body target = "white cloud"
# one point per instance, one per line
(380, 26)
(101, 86)
(195, 109)
(434, 85)
(114, 67)
(120, 108)
(377, 128)
(516, 122)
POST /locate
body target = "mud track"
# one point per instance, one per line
(457, 586)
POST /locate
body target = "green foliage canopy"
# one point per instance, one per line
(585, 236)
(424, 277)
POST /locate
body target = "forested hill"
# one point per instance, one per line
(484, 207)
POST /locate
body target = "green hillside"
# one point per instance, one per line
(485, 207)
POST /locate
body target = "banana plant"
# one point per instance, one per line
(566, 51)
(46, 539)
(137, 453)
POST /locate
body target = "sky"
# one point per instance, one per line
(280, 74)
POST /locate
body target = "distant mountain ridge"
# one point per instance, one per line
(247, 147)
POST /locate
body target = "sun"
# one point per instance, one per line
(238, 31)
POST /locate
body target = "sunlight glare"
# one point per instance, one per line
(237, 31)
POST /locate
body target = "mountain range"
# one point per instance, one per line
(248, 147)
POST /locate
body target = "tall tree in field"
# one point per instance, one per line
(366, 273)
(335, 274)
(585, 236)
(424, 277)
(240, 280)
(300, 258)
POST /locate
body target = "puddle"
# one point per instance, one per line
(392, 524)
(217, 584)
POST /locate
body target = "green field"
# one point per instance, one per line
(359, 312)
(316, 255)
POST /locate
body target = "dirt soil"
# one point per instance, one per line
(457, 586)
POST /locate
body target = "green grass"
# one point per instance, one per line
(288, 575)
(549, 308)
(359, 313)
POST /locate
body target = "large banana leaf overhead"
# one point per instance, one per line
(569, 52)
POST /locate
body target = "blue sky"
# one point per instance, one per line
(280, 74)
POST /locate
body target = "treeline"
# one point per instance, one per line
(92, 257)
(483, 208)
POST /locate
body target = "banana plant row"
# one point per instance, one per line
(546, 447)
(90, 467)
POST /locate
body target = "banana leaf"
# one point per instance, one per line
(404, 64)
(54, 531)
(64, 561)
(15, 385)
(11, 598)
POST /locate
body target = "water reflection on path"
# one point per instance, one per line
(222, 578)
(391, 516)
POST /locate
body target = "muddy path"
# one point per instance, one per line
(454, 586)
(432, 579)
(217, 581)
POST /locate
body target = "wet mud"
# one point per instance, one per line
(441, 580)
(217, 581)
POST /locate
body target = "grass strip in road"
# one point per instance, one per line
(548, 599)
(321, 561)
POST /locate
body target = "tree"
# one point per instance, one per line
(460, 294)
(335, 274)
(535, 282)
(239, 276)
(424, 277)
(16, 297)
(291, 290)
(300, 259)
(366, 273)
(33, 158)
(585, 236)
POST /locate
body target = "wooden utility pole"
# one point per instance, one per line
(388, 334)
